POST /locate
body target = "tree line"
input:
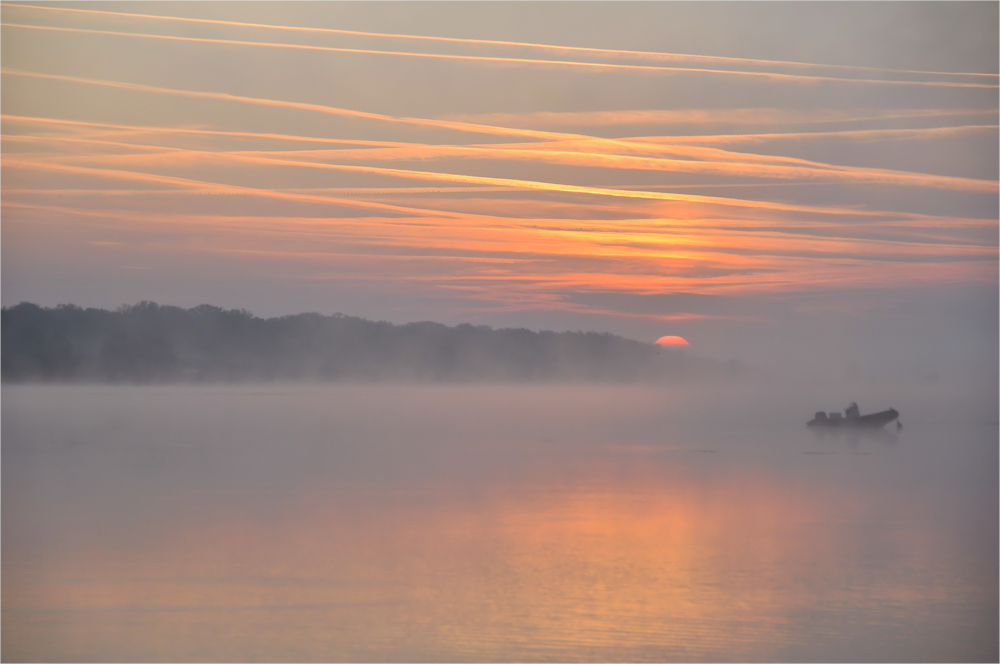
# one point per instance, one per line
(151, 343)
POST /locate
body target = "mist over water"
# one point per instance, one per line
(497, 523)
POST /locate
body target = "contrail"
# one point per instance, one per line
(713, 161)
(632, 145)
(643, 144)
(207, 132)
(224, 188)
(484, 58)
(331, 110)
(444, 124)
(508, 182)
(862, 134)
(488, 42)
(739, 116)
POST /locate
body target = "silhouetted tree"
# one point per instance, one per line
(147, 342)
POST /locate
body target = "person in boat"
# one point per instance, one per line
(853, 418)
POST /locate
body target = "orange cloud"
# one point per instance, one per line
(549, 260)
(125, 130)
(855, 134)
(210, 186)
(807, 169)
(707, 160)
(883, 176)
(520, 184)
(714, 116)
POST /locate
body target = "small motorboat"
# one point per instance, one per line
(852, 418)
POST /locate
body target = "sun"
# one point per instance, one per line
(671, 340)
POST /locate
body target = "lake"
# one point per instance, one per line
(495, 523)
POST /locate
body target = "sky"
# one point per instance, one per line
(809, 187)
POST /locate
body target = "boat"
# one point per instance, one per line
(853, 419)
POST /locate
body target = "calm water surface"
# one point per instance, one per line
(491, 524)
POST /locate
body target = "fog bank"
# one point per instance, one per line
(149, 343)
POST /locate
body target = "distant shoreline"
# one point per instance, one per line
(148, 343)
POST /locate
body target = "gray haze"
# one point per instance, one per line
(395, 523)
(806, 192)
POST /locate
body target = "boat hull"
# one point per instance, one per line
(872, 420)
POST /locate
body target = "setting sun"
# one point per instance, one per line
(340, 313)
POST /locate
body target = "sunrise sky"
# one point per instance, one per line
(809, 185)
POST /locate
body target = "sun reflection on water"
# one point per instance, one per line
(583, 551)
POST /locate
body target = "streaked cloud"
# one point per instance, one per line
(699, 116)
(649, 69)
(482, 42)
(481, 175)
